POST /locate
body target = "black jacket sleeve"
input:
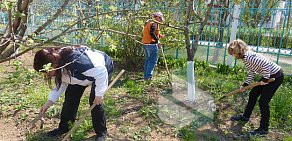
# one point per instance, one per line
(152, 32)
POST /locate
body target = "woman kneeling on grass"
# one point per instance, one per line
(257, 64)
(74, 68)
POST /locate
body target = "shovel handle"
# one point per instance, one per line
(246, 88)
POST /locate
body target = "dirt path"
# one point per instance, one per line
(9, 132)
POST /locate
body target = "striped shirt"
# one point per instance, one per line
(258, 64)
(90, 67)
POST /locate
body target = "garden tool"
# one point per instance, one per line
(164, 59)
(246, 88)
(89, 110)
(35, 120)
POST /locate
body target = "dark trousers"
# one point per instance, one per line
(70, 107)
(266, 92)
(73, 95)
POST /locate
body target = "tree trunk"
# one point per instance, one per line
(191, 50)
(16, 30)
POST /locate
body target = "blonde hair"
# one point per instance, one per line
(237, 47)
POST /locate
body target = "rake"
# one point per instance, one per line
(246, 88)
(164, 59)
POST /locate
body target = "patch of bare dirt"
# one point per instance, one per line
(9, 132)
(15, 125)
(210, 131)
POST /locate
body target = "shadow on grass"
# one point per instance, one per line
(201, 127)
(201, 117)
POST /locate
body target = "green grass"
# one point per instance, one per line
(112, 107)
(25, 90)
(187, 134)
(287, 138)
(18, 89)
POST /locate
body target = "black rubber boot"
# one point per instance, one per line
(260, 131)
(239, 118)
(101, 138)
(57, 132)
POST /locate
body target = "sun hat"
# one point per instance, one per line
(158, 14)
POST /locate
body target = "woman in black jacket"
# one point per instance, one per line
(74, 68)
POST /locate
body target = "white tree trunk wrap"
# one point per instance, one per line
(191, 81)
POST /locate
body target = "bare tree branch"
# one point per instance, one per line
(13, 45)
(82, 29)
(195, 12)
(19, 54)
(88, 17)
(197, 15)
(25, 4)
(63, 33)
(21, 22)
(68, 30)
(29, 49)
(192, 50)
(11, 48)
(6, 40)
(168, 25)
(201, 27)
(55, 16)
(100, 35)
